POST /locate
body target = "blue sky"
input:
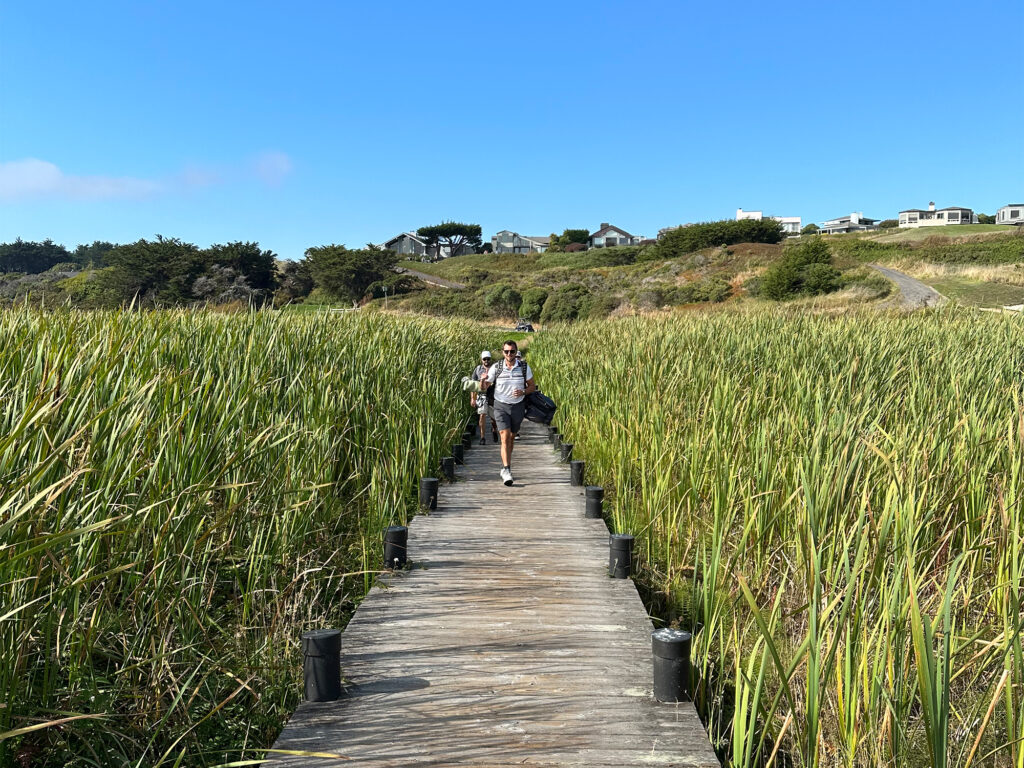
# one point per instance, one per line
(306, 123)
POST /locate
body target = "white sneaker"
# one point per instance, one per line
(506, 475)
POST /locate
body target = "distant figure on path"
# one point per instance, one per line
(480, 401)
(511, 381)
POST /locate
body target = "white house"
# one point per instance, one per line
(854, 222)
(790, 224)
(915, 217)
(1011, 214)
(508, 241)
(608, 236)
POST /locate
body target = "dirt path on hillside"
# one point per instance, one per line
(913, 293)
(440, 281)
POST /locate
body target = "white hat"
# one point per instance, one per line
(484, 354)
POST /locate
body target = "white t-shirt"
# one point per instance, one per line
(506, 380)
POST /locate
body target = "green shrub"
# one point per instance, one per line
(804, 270)
(684, 240)
(563, 305)
(821, 278)
(447, 303)
(710, 290)
(599, 307)
(503, 300)
(780, 282)
(533, 303)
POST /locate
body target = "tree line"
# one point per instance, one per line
(167, 271)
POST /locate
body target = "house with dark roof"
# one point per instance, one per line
(608, 236)
(508, 241)
(415, 247)
(1011, 214)
(916, 217)
(408, 244)
(854, 222)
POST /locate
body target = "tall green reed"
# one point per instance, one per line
(833, 504)
(181, 494)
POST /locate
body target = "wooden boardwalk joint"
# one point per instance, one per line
(504, 644)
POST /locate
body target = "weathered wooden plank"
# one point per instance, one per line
(504, 644)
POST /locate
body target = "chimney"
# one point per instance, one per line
(931, 206)
(604, 224)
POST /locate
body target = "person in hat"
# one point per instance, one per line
(479, 401)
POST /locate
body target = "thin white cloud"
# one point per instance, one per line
(199, 176)
(271, 167)
(31, 178)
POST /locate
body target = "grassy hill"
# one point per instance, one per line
(950, 232)
(595, 283)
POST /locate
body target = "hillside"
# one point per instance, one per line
(597, 283)
(952, 232)
(976, 264)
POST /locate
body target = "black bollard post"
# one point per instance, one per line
(671, 649)
(471, 425)
(556, 441)
(448, 467)
(620, 555)
(467, 441)
(428, 492)
(458, 454)
(396, 539)
(576, 468)
(595, 501)
(552, 431)
(566, 452)
(321, 664)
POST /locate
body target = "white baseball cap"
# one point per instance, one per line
(485, 354)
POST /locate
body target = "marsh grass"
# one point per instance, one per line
(833, 504)
(181, 494)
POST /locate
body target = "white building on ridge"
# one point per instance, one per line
(915, 217)
(790, 224)
(854, 222)
(1011, 214)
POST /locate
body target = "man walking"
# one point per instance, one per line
(479, 401)
(512, 381)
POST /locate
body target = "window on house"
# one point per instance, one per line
(1014, 213)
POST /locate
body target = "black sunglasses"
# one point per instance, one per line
(509, 351)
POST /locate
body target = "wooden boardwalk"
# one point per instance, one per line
(504, 644)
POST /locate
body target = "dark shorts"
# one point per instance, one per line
(509, 416)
